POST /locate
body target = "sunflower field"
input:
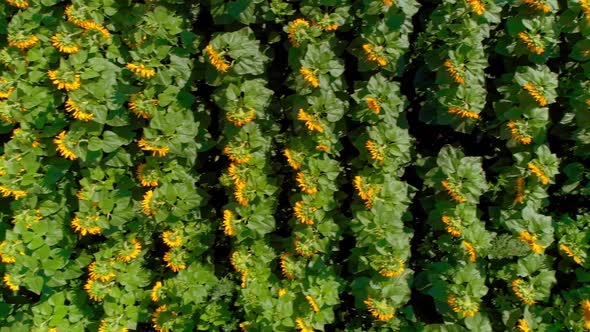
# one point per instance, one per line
(281, 165)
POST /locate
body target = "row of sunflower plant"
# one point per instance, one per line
(316, 110)
(522, 116)
(456, 276)
(380, 260)
(236, 63)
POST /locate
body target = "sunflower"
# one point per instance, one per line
(156, 290)
(174, 259)
(477, 6)
(463, 306)
(301, 325)
(63, 85)
(146, 203)
(453, 225)
(140, 106)
(64, 44)
(240, 187)
(533, 45)
(18, 3)
(304, 249)
(217, 59)
(129, 252)
(172, 239)
(62, 146)
(6, 258)
(453, 72)
(106, 326)
(239, 158)
(140, 70)
(375, 150)
(16, 193)
(523, 325)
(463, 113)
(523, 291)
(379, 309)
(241, 116)
(160, 151)
(309, 77)
(539, 5)
(86, 225)
(570, 253)
(585, 305)
(373, 56)
(516, 130)
(9, 282)
(373, 105)
(538, 172)
(452, 191)
(393, 271)
(519, 190)
(288, 153)
(149, 178)
(78, 114)
(304, 213)
(312, 303)
(22, 42)
(286, 265)
(311, 122)
(531, 241)
(96, 289)
(102, 271)
(228, 227)
(297, 27)
(470, 250)
(304, 185)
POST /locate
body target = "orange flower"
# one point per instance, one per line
(530, 44)
(372, 55)
(62, 148)
(294, 28)
(374, 150)
(240, 117)
(538, 5)
(312, 303)
(289, 155)
(521, 292)
(538, 96)
(161, 151)
(531, 241)
(451, 224)
(477, 6)
(18, 3)
(228, 227)
(22, 42)
(217, 60)
(538, 172)
(309, 77)
(463, 113)
(284, 264)
(470, 250)
(140, 70)
(311, 122)
(451, 190)
(76, 112)
(379, 310)
(302, 212)
(304, 186)
(516, 133)
(453, 72)
(570, 253)
(373, 105)
(467, 308)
